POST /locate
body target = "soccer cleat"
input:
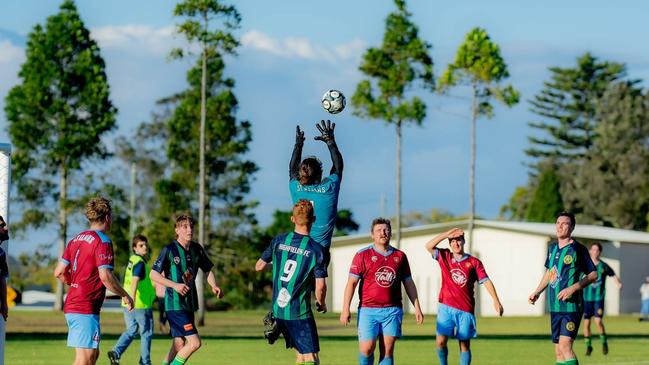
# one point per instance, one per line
(114, 359)
(589, 350)
(605, 348)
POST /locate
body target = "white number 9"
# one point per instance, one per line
(289, 270)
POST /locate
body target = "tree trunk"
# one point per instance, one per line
(63, 230)
(398, 200)
(474, 116)
(200, 277)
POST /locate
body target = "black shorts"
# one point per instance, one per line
(595, 309)
(181, 323)
(300, 334)
(564, 324)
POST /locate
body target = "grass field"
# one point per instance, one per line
(235, 338)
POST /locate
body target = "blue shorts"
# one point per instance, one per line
(83, 330)
(379, 321)
(300, 334)
(452, 322)
(181, 323)
(564, 324)
(594, 309)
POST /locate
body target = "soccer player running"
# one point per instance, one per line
(138, 283)
(179, 262)
(566, 262)
(87, 267)
(297, 262)
(306, 182)
(455, 314)
(381, 269)
(594, 295)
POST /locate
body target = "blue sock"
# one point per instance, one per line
(443, 355)
(465, 357)
(365, 360)
(386, 361)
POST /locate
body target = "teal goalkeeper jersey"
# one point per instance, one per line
(596, 291)
(566, 266)
(324, 198)
(297, 262)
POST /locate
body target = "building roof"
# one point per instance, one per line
(545, 229)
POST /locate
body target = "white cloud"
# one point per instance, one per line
(301, 48)
(140, 38)
(10, 53)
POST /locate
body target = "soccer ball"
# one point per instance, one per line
(333, 101)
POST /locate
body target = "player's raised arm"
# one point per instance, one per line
(296, 156)
(345, 315)
(327, 135)
(432, 244)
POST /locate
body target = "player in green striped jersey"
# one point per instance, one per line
(298, 263)
(594, 295)
(569, 269)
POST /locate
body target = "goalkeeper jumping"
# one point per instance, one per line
(306, 182)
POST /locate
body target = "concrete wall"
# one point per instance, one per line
(634, 268)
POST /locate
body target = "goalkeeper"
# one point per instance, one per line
(306, 182)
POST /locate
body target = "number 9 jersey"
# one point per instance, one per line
(297, 261)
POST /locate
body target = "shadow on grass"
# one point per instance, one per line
(33, 336)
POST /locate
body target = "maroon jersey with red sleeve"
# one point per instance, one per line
(85, 254)
(458, 279)
(381, 275)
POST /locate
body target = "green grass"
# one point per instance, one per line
(235, 338)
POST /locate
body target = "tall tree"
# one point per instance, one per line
(208, 24)
(567, 106)
(546, 199)
(611, 183)
(57, 116)
(393, 69)
(478, 63)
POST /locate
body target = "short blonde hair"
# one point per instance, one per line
(98, 209)
(303, 212)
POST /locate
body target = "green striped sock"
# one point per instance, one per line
(588, 341)
(572, 362)
(603, 338)
(178, 361)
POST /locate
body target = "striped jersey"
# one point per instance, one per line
(297, 261)
(566, 266)
(596, 291)
(181, 265)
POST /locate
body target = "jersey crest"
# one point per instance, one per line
(458, 277)
(385, 276)
(554, 277)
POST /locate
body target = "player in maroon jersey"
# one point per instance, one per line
(381, 269)
(460, 271)
(87, 267)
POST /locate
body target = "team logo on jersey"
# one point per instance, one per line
(385, 276)
(283, 298)
(467, 265)
(458, 277)
(570, 326)
(567, 260)
(396, 259)
(554, 277)
(187, 277)
(176, 260)
(374, 258)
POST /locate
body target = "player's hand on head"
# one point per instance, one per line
(326, 131)
(299, 135)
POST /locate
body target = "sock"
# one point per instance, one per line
(603, 338)
(572, 362)
(560, 363)
(165, 363)
(178, 361)
(386, 361)
(443, 355)
(365, 360)
(465, 357)
(299, 363)
(589, 343)
(309, 363)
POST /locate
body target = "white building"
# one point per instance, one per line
(513, 254)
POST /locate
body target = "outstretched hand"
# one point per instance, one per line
(326, 132)
(299, 135)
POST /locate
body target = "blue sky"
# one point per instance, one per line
(295, 50)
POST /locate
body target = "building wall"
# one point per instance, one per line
(635, 268)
